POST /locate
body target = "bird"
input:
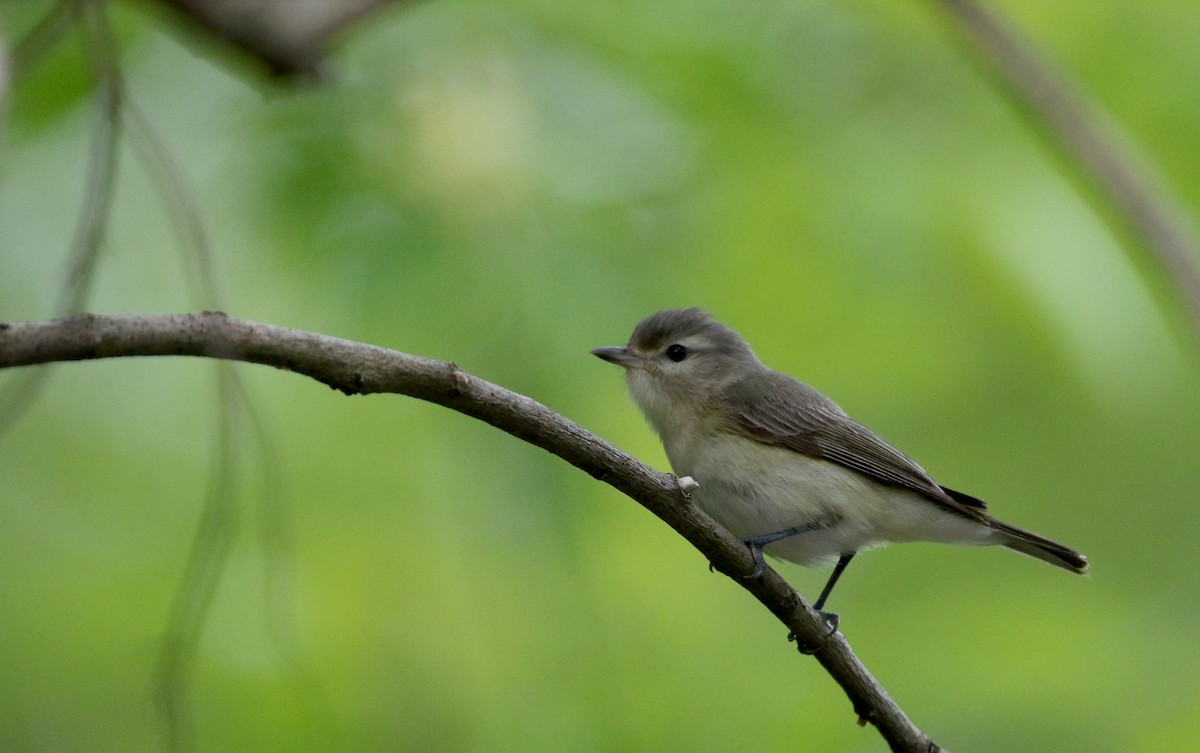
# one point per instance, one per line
(782, 466)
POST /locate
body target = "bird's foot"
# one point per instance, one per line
(833, 619)
(756, 543)
(756, 551)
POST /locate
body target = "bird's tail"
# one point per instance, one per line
(1040, 547)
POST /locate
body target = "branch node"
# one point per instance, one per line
(462, 380)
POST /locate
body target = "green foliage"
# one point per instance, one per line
(510, 185)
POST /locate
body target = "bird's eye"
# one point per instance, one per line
(677, 352)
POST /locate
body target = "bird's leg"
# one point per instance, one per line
(756, 543)
(832, 618)
(843, 561)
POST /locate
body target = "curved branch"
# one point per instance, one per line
(1093, 144)
(359, 369)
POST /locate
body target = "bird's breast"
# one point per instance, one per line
(753, 488)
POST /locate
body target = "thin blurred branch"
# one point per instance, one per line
(5, 76)
(288, 37)
(42, 38)
(117, 114)
(359, 369)
(92, 222)
(180, 202)
(205, 566)
(1093, 144)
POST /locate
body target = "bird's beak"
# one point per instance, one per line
(618, 355)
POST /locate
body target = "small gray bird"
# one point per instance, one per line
(782, 466)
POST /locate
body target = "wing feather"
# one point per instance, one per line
(775, 409)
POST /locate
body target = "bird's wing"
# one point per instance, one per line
(775, 409)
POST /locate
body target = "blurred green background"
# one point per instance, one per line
(509, 185)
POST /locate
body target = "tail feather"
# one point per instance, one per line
(1040, 547)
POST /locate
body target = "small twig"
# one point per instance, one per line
(1093, 144)
(356, 368)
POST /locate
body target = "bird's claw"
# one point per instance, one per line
(760, 564)
(833, 619)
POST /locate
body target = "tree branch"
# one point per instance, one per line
(290, 38)
(1092, 144)
(356, 368)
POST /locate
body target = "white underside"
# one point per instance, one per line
(753, 488)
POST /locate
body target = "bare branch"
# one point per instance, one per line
(356, 368)
(1093, 144)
